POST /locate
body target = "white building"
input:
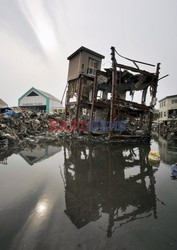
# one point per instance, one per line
(168, 108)
(36, 99)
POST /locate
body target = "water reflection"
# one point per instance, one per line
(105, 191)
(4, 161)
(113, 180)
(168, 150)
(42, 207)
(32, 156)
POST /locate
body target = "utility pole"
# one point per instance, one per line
(154, 92)
(114, 81)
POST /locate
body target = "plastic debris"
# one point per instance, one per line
(154, 158)
(174, 171)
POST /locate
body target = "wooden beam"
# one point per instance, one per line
(79, 98)
(135, 69)
(94, 93)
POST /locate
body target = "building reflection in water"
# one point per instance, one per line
(114, 180)
(168, 150)
(32, 156)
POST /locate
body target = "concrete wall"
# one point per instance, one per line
(74, 67)
(32, 101)
(54, 104)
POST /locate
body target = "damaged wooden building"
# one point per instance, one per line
(94, 95)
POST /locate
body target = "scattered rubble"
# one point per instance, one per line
(31, 128)
(168, 130)
(17, 127)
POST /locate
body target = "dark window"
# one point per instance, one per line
(174, 101)
(32, 94)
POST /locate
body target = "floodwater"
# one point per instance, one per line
(95, 196)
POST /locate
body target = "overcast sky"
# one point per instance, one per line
(36, 36)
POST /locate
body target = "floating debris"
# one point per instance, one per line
(154, 158)
(174, 171)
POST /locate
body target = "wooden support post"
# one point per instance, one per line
(143, 98)
(79, 98)
(94, 94)
(150, 120)
(154, 92)
(114, 81)
(66, 110)
(66, 101)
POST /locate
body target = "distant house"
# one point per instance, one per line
(3, 104)
(38, 100)
(168, 108)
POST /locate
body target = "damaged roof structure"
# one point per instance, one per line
(99, 96)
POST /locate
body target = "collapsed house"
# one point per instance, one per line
(97, 96)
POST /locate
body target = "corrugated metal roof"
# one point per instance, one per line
(49, 95)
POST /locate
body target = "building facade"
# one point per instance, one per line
(168, 108)
(38, 100)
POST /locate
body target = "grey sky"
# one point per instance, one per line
(36, 36)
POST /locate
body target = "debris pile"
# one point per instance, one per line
(169, 130)
(25, 125)
(27, 128)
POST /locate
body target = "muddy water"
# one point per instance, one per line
(78, 196)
